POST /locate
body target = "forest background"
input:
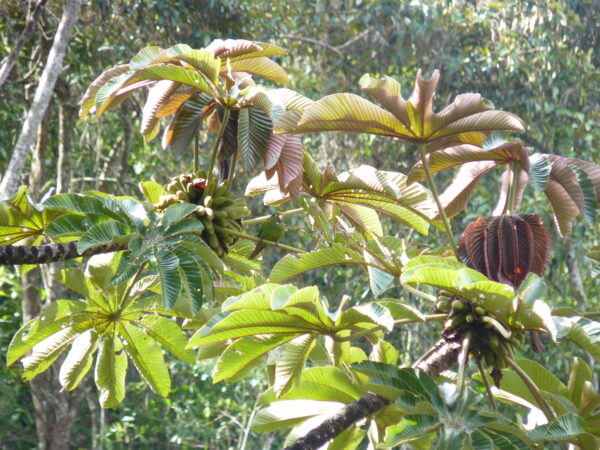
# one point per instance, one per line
(538, 60)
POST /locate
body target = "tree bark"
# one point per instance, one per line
(439, 358)
(66, 125)
(25, 35)
(10, 182)
(43, 254)
(55, 411)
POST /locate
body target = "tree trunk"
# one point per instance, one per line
(25, 35)
(55, 411)
(10, 182)
(66, 125)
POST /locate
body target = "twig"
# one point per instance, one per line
(486, 383)
(531, 386)
(25, 35)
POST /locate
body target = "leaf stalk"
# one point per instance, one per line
(436, 197)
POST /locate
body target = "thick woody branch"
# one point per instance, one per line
(439, 358)
(42, 254)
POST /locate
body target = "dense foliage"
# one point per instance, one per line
(185, 258)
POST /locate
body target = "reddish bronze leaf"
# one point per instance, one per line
(506, 248)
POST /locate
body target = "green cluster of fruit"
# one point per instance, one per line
(188, 188)
(221, 215)
(492, 342)
(218, 211)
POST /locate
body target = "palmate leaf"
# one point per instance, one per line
(449, 274)
(103, 233)
(111, 368)
(168, 334)
(245, 352)
(79, 360)
(147, 358)
(20, 219)
(253, 132)
(573, 187)
(326, 383)
(564, 428)
(467, 118)
(185, 124)
(252, 322)
(288, 413)
(58, 316)
(89, 98)
(157, 95)
(461, 154)
(262, 67)
(290, 364)
(290, 266)
(455, 197)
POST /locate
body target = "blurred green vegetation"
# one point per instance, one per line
(536, 59)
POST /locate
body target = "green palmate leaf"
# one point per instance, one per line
(290, 266)
(543, 378)
(111, 368)
(205, 62)
(252, 322)
(564, 428)
(326, 383)
(46, 351)
(185, 124)
(258, 298)
(168, 334)
(245, 352)
(366, 315)
(19, 219)
(304, 303)
(79, 360)
(147, 358)
(191, 272)
(290, 364)
(348, 439)
(59, 315)
(584, 332)
(449, 274)
(84, 204)
(288, 413)
(170, 280)
(175, 213)
(365, 218)
(399, 310)
(152, 191)
(379, 280)
(411, 427)
(69, 225)
(176, 73)
(103, 233)
(262, 67)
(253, 132)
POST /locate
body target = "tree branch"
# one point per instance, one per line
(10, 182)
(25, 35)
(42, 254)
(439, 358)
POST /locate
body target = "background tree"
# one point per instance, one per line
(111, 146)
